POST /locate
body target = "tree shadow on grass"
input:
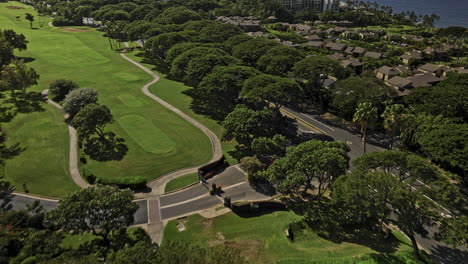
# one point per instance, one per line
(106, 148)
(255, 209)
(26, 59)
(30, 102)
(6, 114)
(332, 222)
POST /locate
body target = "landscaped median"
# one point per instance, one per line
(159, 141)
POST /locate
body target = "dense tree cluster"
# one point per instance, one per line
(33, 235)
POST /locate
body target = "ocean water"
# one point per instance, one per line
(451, 12)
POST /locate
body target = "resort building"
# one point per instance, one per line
(315, 5)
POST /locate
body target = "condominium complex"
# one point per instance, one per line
(315, 5)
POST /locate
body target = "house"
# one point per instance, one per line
(368, 36)
(424, 79)
(257, 34)
(400, 84)
(349, 50)
(337, 56)
(327, 83)
(412, 38)
(336, 30)
(350, 34)
(333, 46)
(359, 52)
(438, 53)
(352, 63)
(392, 37)
(303, 28)
(288, 43)
(248, 24)
(313, 38)
(385, 73)
(411, 55)
(431, 68)
(315, 44)
(374, 55)
(457, 70)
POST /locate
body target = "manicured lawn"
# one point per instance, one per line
(181, 182)
(262, 240)
(162, 141)
(43, 165)
(172, 92)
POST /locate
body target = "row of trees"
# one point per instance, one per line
(33, 235)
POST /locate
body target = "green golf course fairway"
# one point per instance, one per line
(173, 93)
(262, 239)
(162, 142)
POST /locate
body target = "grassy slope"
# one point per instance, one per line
(172, 92)
(262, 239)
(88, 60)
(43, 166)
(181, 182)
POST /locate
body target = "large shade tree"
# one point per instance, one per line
(310, 161)
(350, 92)
(60, 88)
(311, 74)
(100, 210)
(17, 77)
(77, 99)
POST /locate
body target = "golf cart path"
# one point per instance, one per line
(157, 186)
(73, 154)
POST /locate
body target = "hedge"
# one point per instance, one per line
(134, 183)
(61, 21)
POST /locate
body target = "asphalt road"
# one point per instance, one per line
(21, 202)
(440, 252)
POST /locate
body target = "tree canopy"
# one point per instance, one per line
(308, 161)
(449, 98)
(77, 99)
(98, 209)
(350, 92)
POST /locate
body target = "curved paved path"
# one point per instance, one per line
(73, 154)
(158, 184)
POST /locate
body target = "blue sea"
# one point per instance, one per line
(451, 12)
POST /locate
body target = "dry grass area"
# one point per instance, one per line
(15, 7)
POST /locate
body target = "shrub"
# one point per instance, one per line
(132, 182)
(60, 88)
(61, 21)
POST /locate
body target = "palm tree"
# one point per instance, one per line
(29, 17)
(393, 116)
(365, 112)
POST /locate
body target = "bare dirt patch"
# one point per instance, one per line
(15, 7)
(75, 29)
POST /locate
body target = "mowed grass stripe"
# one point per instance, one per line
(141, 129)
(119, 85)
(42, 166)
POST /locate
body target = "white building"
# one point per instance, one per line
(316, 5)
